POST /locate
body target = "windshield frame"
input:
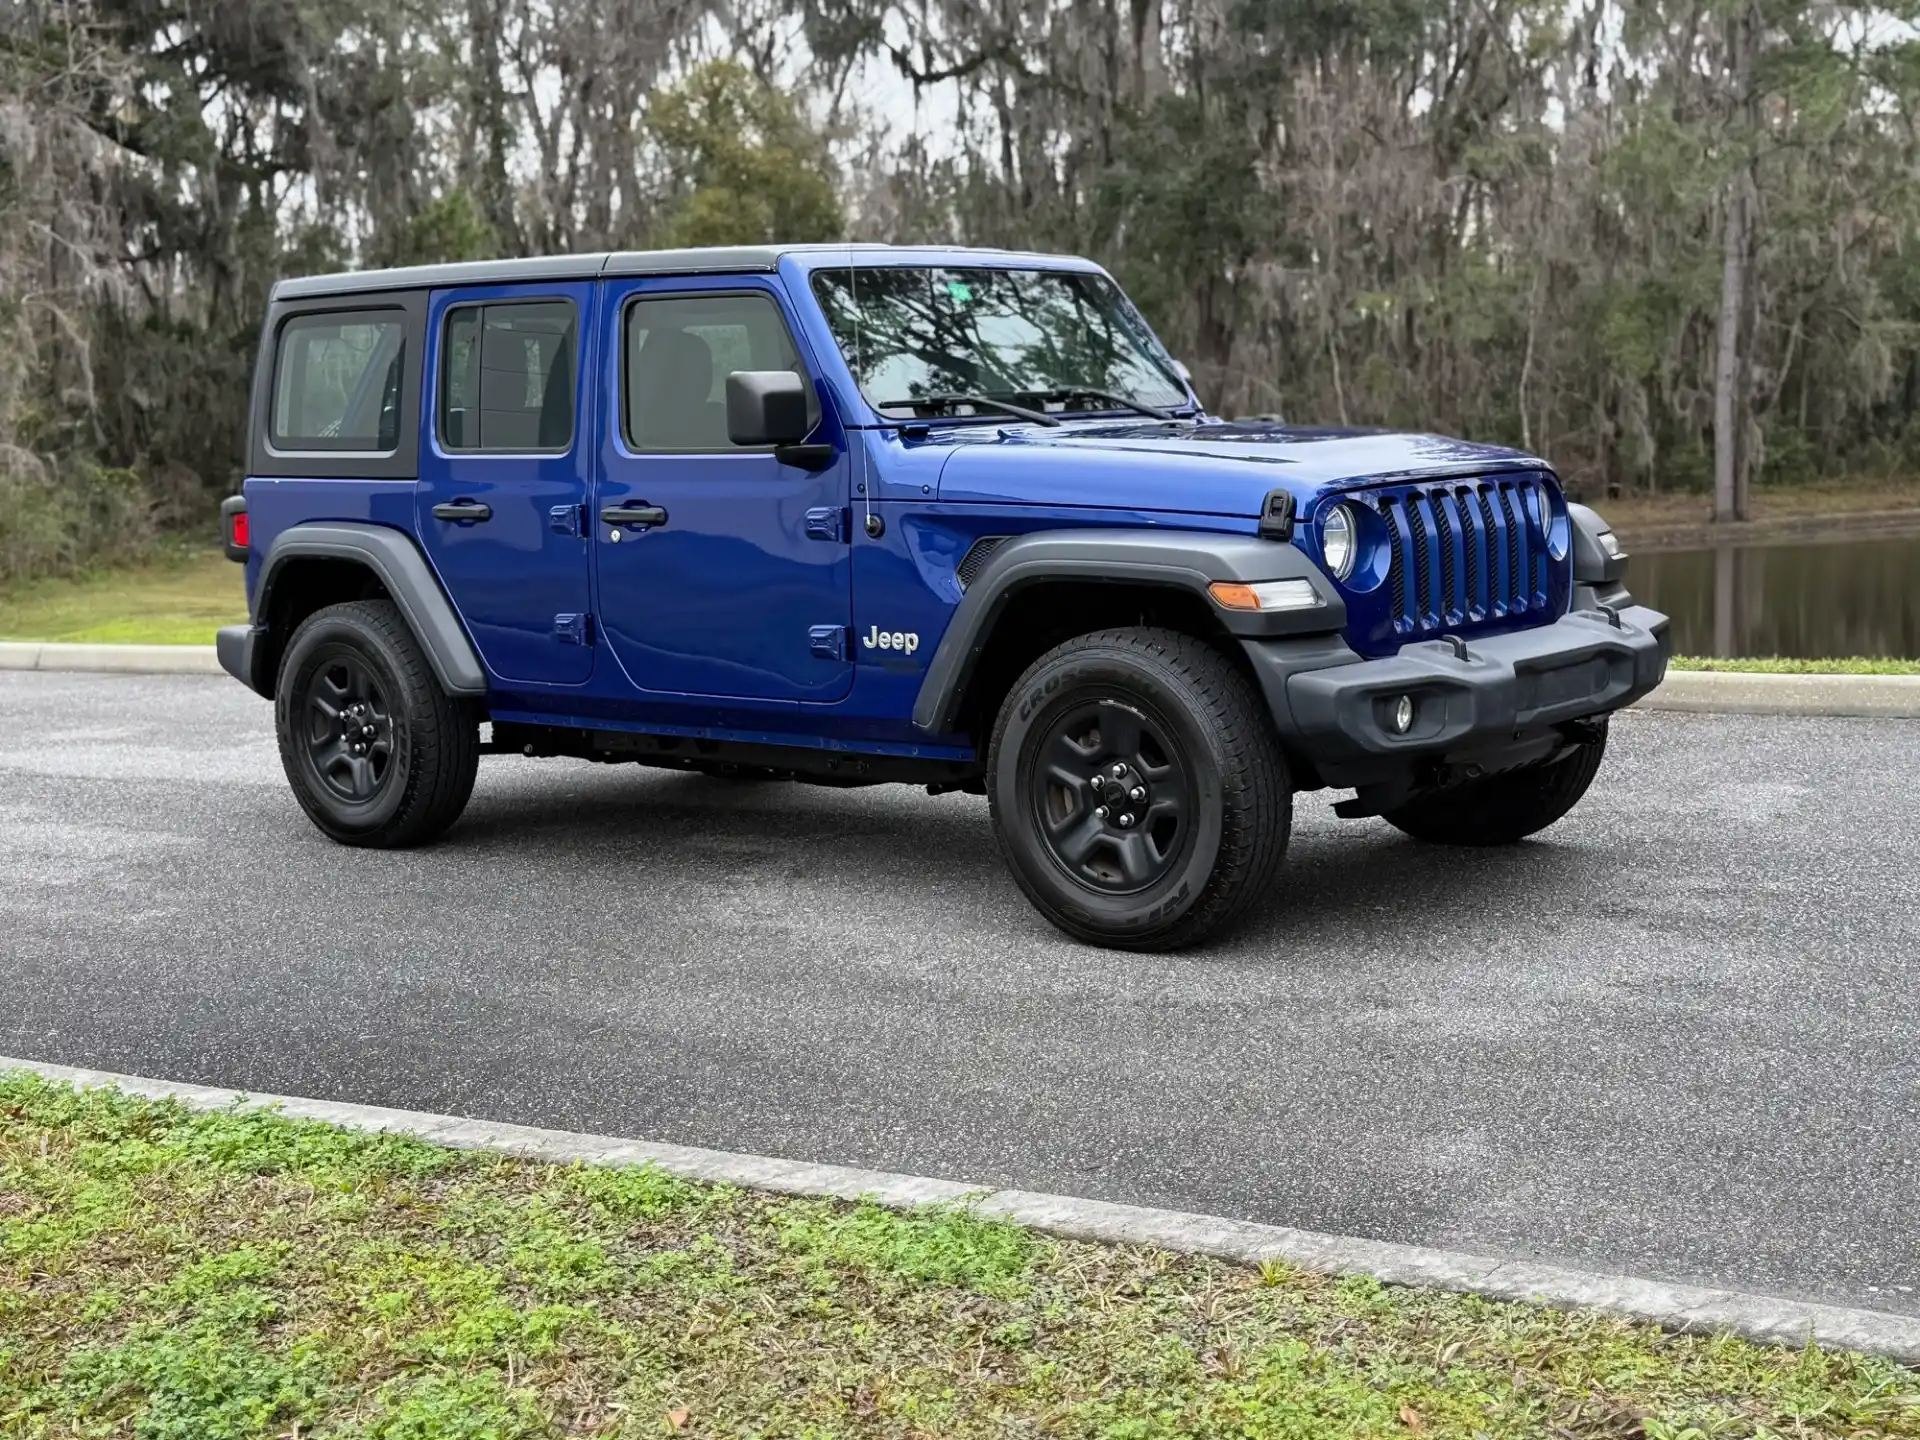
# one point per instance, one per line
(824, 268)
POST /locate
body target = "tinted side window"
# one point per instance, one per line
(336, 383)
(679, 352)
(507, 377)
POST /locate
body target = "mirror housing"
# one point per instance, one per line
(767, 407)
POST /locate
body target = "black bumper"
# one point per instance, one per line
(237, 647)
(1336, 710)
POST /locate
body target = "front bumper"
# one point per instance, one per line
(1334, 709)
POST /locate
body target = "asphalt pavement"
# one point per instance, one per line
(1678, 1036)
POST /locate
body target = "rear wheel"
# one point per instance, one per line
(1138, 793)
(377, 754)
(1504, 808)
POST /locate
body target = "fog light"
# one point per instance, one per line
(1403, 715)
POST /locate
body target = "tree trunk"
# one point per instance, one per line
(1728, 412)
(1730, 403)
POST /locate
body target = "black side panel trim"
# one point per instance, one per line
(1188, 560)
(391, 555)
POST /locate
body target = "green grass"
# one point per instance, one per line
(1778, 665)
(178, 600)
(172, 1275)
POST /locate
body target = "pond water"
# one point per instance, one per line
(1857, 597)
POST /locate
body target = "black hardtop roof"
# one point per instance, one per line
(710, 260)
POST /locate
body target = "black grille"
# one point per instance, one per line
(1471, 534)
(975, 560)
(1444, 525)
(1462, 554)
(1396, 555)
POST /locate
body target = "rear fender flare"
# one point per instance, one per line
(405, 575)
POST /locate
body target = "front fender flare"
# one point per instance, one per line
(1187, 560)
(403, 571)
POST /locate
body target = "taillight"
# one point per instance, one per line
(233, 516)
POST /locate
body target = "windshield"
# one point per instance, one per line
(1057, 340)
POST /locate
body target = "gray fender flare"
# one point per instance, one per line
(1189, 560)
(1592, 565)
(393, 557)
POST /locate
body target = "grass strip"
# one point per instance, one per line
(180, 599)
(171, 1274)
(1780, 665)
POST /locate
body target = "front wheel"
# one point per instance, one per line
(1502, 809)
(377, 754)
(1138, 792)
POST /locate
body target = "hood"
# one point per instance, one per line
(1206, 467)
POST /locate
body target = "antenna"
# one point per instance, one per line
(859, 375)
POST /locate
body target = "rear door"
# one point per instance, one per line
(743, 587)
(504, 469)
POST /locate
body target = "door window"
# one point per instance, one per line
(507, 378)
(679, 351)
(336, 382)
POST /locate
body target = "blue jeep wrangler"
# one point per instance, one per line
(856, 514)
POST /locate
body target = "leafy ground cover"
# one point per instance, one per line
(175, 1275)
(1778, 665)
(178, 599)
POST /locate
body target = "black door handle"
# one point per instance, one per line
(463, 512)
(634, 515)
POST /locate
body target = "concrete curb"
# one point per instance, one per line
(1703, 692)
(1711, 692)
(1676, 1307)
(116, 659)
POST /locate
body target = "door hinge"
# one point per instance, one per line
(573, 629)
(827, 522)
(829, 642)
(567, 520)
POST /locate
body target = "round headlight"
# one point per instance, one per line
(1542, 510)
(1336, 541)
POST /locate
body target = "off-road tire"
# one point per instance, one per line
(1186, 691)
(432, 738)
(1502, 809)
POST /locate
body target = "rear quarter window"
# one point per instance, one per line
(336, 382)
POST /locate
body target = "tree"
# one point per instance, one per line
(743, 163)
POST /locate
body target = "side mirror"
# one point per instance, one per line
(767, 407)
(1181, 369)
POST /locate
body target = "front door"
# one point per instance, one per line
(731, 578)
(504, 462)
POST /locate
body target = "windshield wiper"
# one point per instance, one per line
(1105, 397)
(979, 402)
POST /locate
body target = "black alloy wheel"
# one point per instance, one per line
(1138, 791)
(347, 725)
(1112, 796)
(376, 752)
